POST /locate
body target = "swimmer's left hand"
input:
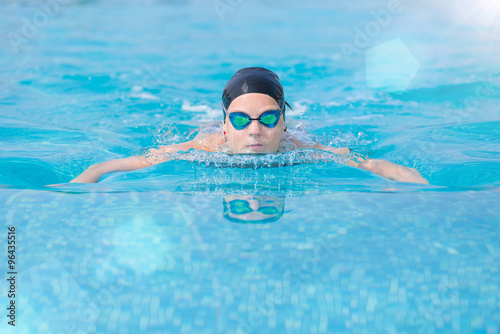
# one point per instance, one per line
(406, 174)
(392, 171)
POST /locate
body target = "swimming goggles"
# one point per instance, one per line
(242, 207)
(241, 120)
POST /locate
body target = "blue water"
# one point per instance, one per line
(154, 250)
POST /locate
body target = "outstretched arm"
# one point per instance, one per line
(380, 167)
(152, 157)
(391, 170)
(94, 172)
(202, 141)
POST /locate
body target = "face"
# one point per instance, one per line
(256, 137)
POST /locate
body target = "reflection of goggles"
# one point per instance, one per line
(242, 207)
(241, 120)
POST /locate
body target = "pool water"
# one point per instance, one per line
(207, 243)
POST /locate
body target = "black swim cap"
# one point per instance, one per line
(253, 80)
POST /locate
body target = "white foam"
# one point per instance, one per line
(211, 113)
(137, 92)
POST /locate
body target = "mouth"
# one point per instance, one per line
(254, 146)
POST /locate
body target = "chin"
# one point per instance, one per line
(258, 150)
(254, 151)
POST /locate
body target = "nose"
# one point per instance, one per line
(254, 127)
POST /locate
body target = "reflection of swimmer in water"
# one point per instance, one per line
(254, 106)
(253, 208)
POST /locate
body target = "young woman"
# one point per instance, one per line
(253, 104)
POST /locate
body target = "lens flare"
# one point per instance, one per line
(483, 15)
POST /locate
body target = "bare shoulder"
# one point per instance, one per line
(295, 141)
(300, 144)
(208, 141)
(203, 141)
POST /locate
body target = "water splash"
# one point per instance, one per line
(288, 158)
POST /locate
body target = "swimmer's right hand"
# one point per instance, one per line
(94, 172)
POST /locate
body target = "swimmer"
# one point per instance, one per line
(253, 105)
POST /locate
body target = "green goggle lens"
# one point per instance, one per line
(268, 119)
(240, 121)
